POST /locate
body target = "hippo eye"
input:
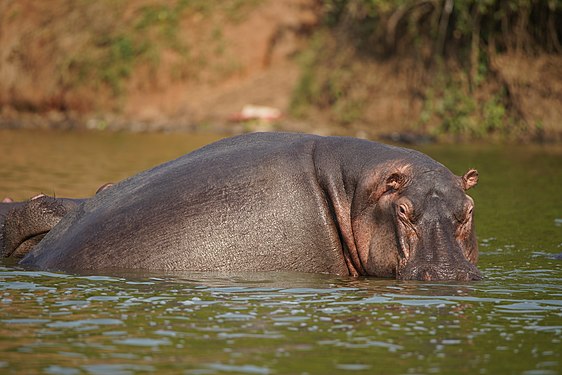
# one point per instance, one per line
(403, 211)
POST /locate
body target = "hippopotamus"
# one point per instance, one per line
(24, 224)
(277, 202)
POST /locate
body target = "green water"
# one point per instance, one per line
(272, 323)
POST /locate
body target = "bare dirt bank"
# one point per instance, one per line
(157, 65)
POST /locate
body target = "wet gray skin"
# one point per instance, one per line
(278, 202)
(24, 224)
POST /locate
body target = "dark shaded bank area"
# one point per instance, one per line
(412, 69)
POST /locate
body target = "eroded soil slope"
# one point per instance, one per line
(154, 64)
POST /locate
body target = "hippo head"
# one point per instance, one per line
(27, 223)
(418, 225)
(24, 224)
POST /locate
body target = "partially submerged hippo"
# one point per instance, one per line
(278, 201)
(24, 224)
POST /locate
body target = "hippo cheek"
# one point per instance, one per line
(466, 236)
(375, 236)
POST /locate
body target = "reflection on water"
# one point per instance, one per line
(276, 323)
(287, 323)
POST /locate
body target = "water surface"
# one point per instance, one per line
(288, 323)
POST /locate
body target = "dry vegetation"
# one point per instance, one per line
(460, 69)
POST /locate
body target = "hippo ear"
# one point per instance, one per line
(104, 187)
(395, 181)
(470, 179)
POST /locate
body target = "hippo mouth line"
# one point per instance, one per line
(25, 245)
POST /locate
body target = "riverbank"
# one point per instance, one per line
(326, 67)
